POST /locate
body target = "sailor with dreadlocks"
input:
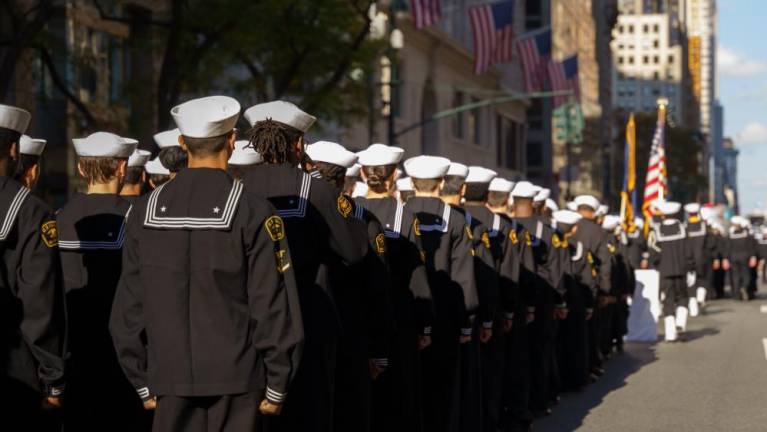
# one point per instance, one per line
(317, 222)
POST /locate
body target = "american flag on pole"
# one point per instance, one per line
(534, 50)
(656, 185)
(564, 76)
(425, 12)
(491, 28)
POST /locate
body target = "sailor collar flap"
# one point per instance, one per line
(679, 233)
(536, 240)
(10, 205)
(109, 233)
(496, 228)
(440, 224)
(295, 207)
(210, 211)
(701, 231)
(738, 235)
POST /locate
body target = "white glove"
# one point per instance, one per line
(691, 278)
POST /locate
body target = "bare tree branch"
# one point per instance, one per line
(45, 56)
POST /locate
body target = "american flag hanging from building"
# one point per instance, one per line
(492, 30)
(564, 76)
(656, 184)
(534, 49)
(425, 12)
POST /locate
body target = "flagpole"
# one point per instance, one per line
(662, 102)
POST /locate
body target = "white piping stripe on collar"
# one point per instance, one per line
(96, 245)
(316, 174)
(303, 198)
(734, 235)
(578, 252)
(660, 237)
(13, 212)
(699, 233)
(359, 211)
(445, 221)
(223, 221)
(496, 226)
(468, 217)
(397, 230)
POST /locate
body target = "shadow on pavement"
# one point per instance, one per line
(700, 333)
(574, 407)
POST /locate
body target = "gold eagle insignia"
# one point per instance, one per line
(380, 244)
(590, 258)
(282, 261)
(513, 236)
(469, 234)
(486, 240)
(555, 241)
(417, 227)
(275, 227)
(344, 206)
(50, 234)
(611, 248)
(528, 238)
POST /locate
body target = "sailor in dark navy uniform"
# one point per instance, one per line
(397, 393)
(574, 361)
(157, 174)
(361, 292)
(594, 240)
(670, 253)
(405, 189)
(761, 240)
(703, 247)
(449, 253)
(739, 257)
(135, 176)
(481, 184)
(28, 168)
(206, 320)
(243, 159)
(470, 402)
(32, 302)
(316, 219)
(540, 281)
(91, 234)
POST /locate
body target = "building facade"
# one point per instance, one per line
(730, 177)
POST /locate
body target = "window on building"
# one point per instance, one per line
(646, 28)
(620, 29)
(656, 28)
(533, 14)
(646, 59)
(671, 59)
(631, 28)
(534, 154)
(475, 124)
(458, 126)
(507, 152)
(631, 60)
(620, 60)
(398, 103)
(656, 76)
(656, 43)
(656, 59)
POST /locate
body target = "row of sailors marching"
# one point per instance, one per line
(216, 294)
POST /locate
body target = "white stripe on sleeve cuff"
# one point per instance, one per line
(274, 396)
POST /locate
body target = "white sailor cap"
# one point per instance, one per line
(360, 190)
(330, 152)
(739, 220)
(603, 210)
(639, 222)
(458, 170)
(587, 200)
(405, 184)
(427, 167)
(692, 208)
(568, 217)
(669, 207)
(354, 170)
(478, 174)
(155, 167)
(551, 205)
(524, 189)
(610, 222)
(31, 146)
(14, 118)
(168, 138)
(380, 154)
(542, 195)
(104, 144)
(244, 154)
(571, 205)
(206, 117)
(139, 158)
(280, 111)
(502, 185)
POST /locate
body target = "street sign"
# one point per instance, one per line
(567, 124)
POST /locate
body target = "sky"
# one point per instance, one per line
(742, 72)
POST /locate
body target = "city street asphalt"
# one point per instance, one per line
(716, 381)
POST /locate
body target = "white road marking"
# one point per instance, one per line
(763, 309)
(764, 343)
